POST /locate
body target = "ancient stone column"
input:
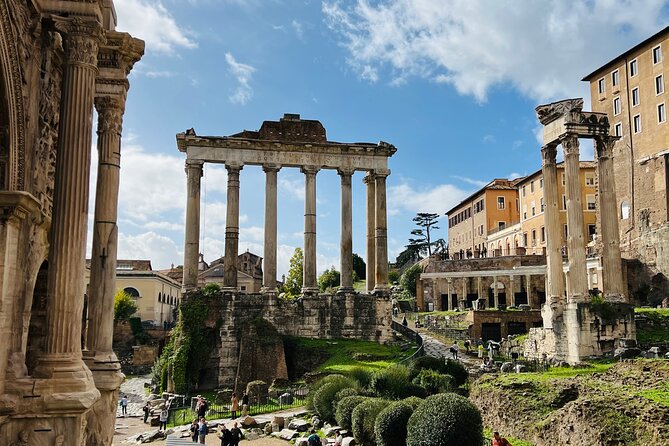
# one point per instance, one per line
(512, 296)
(578, 275)
(269, 272)
(381, 275)
(231, 228)
(495, 291)
(528, 283)
(62, 361)
(192, 233)
(555, 285)
(478, 287)
(346, 251)
(449, 286)
(309, 284)
(371, 226)
(464, 292)
(608, 217)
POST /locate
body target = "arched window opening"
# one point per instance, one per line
(132, 292)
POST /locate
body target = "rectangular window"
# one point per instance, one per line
(657, 54)
(590, 202)
(661, 115)
(637, 123)
(564, 202)
(543, 234)
(531, 186)
(589, 179)
(524, 191)
(525, 239)
(563, 178)
(541, 183)
(635, 96)
(542, 204)
(534, 237)
(566, 232)
(633, 68)
(618, 131)
(659, 84)
(481, 230)
(524, 212)
(501, 224)
(501, 203)
(616, 106)
(534, 209)
(615, 78)
(592, 231)
(601, 86)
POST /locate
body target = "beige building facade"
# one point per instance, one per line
(249, 272)
(488, 210)
(632, 90)
(532, 207)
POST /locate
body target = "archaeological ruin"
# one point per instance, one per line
(575, 327)
(58, 382)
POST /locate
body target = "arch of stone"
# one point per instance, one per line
(291, 142)
(572, 329)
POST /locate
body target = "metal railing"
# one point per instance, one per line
(411, 335)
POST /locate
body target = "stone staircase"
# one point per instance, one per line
(173, 440)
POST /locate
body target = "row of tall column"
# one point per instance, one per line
(377, 245)
(576, 287)
(479, 290)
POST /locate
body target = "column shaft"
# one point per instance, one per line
(511, 301)
(309, 284)
(555, 285)
(269, 272)
(612, 275)
(70, 210)
(102, 286)
(578, 277)
(346, 242)
(231, 228)
(495, 292)
(371, 226)
(449, 291)
(192, 233)
(381, 276)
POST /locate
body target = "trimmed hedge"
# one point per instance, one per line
(325, 397)
(457, 370)
(363, 419)
(345, 408)
(413, 401)
(434, 382)
(394, 383)
(429, 363)
(362, 376)
(444, 419)
(391, 424)
(309, 403)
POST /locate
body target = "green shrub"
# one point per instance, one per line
(429, 363)
(413, 401)
(434, 382)
(391, 424)
(394, 383)
(362, 376)
(444, 419)
(457, 370)
(363, 418)
(343, 393)
(309, 403)
(325, 396)
(345, 408)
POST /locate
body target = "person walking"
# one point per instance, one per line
(235, 435)
(225, 435)
(164, 415)
(202, 431)
(194, 427)
(202, 406)
(147, 411)
(234, 406)
(124, 405)
(454, 349)
(245, 404)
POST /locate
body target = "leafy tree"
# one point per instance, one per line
(409, 279)
(427, 222)
(292, 287)
(330, 278)
(410, 255)
(124, 306)
(393, 276)
(359, 267)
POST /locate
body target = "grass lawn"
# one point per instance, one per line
(345, 355)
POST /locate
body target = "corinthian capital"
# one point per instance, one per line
(548, 154)
(82, 39)
(570, 145)
(110, 114)
(604, 146)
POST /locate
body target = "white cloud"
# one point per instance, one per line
(292, 186)
(298, 28)
(478, 183)
(161, 250)
(542, 48)
(439, 199)
(489, 139)
(151, 21)
(243, 73)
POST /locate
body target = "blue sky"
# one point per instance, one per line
(451, 83)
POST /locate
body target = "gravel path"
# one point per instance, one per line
(133, 388)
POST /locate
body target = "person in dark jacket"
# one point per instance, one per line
(225, 435)
(235, 435)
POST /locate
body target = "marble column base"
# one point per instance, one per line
(345, 290)
(310, 290)
(268, 290)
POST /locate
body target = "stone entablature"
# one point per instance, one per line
(302, 144)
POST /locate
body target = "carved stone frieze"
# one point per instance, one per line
(570, 144)
(550, 112)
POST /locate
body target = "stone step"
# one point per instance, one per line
(174, 440)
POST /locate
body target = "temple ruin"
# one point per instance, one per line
(58, 382)
(575, 327)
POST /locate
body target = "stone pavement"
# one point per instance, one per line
(133, 388)
(436, 348)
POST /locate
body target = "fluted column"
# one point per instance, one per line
(102, 286)
(381, 275)
(62, 359)
(346, 247)
(269, 272)
(578, 277)
(612, 275)
(231, 227)
(371, 226)
(309, 284)
(555, 285)
(192, 233)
